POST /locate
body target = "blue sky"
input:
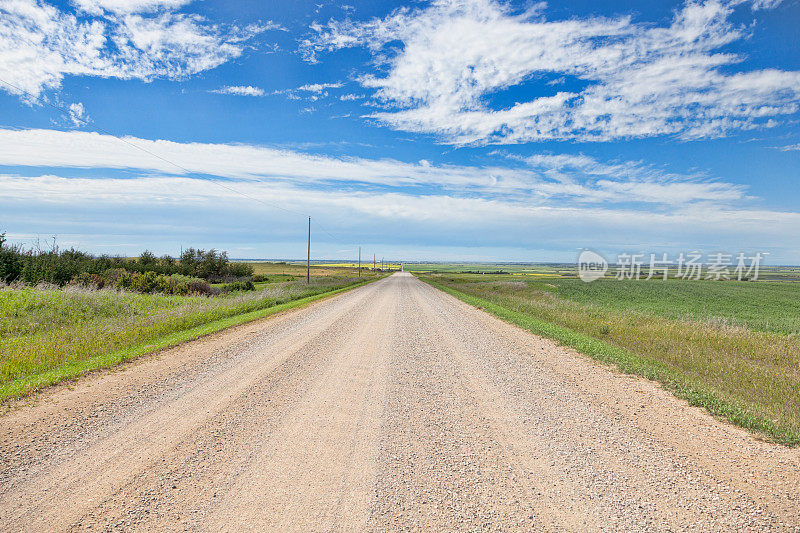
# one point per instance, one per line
(461, 130)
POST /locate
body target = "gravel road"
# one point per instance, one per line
(392, 406)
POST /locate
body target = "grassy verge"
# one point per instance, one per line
(748, 377)
(51, 336)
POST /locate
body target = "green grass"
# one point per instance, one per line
(47, 336)
(764, 306)
(749, 375)
(275, 278)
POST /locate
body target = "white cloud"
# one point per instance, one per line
(77, 114)
(791, 148)
(638, 79)
(563, 201)
(120, 7)
(310, 92)
(40, 45)
(240, 90)
(542, 178)
(589, 180)
(765, 4)
(495, 222)
(318, 87)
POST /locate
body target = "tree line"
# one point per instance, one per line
(59, 267)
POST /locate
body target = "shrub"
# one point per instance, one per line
(148, 260)
(87, 279)
(178, 284)
(10, 261)
(118, 278)
(241, 270)
(200, 287)
(239, 286)
(184, 285)
(259, 278)
(144, 282)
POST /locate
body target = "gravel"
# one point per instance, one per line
(392, 406)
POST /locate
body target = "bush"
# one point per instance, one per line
(239, 286)
(118, 278)
(200, 287)
(10, 261)
(240, 270)
(148, 260)
(259, 278)
(85, 279)
(146, 282)
(181, 285)
(150, 282)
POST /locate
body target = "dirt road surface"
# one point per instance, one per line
(392, 406)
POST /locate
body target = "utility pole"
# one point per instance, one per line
(359, 261)
(373, 261)
(382, 267)
(308, 257)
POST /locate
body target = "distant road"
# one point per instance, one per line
(392, 406)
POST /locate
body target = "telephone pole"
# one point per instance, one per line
(308, 257)
(373, 261)
(359, 261)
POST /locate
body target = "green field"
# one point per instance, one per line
(566, 270)
(732, 347)
(511, 269)
(50, 334)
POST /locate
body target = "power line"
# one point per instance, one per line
(324, 230)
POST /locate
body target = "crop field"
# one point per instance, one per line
(567, 270)
(296, 269)
(549, 270)
(732, 347)
(48, 334)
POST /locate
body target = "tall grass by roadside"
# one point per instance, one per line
(44, 329)
(748, 375)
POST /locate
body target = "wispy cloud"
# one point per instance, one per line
(589, 180)
(567, 200)
(638, 80)
(310, 92)
(124, 7)
(318, 87)
(240, 90)
(408, 218)
(126, 39)
(540, 178)
(77, 114)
